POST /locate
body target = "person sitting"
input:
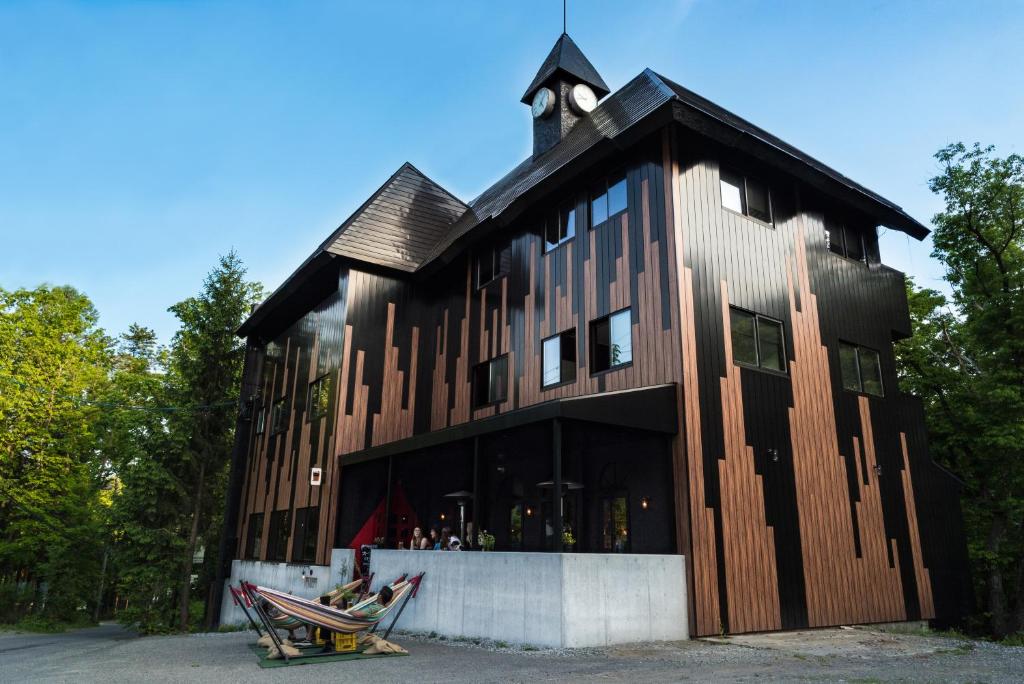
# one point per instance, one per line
(449, 542)
(418, 541)
(379, 603)
(435, 539)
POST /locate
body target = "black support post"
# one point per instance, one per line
(387, 504)
(556, 490)
(476, 493)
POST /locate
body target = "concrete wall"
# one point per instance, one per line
(544, 599)
(286, 577)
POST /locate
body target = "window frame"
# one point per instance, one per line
(253, 534)
(496, 250)
(261, 419)
(757, 341)
(561, 345)
(603, 189)
(566, 209)
(300, 533)
(313, 409)
(592, 351)
(276, 429)
(475, 380)
(283, 521)
(726, 170)
(860, 369)
(843, 228)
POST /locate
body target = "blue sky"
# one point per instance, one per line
(140, 139)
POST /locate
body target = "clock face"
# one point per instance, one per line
(582, 99)
(543, 103)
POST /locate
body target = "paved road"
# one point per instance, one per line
(110, 654)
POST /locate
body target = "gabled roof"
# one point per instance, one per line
(566, 58)
(400, 223)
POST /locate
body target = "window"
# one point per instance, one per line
(490, 381)
(757, 340)
(515, 526)
(319, 397)
(845, 240)
(608, 199)
(279, 416)
(490, 263)
(261, 420)
(615, 524)
(560, 227)
(611, 341)
(277, 541)
(254, 536)
(307, 522)
(860, 369)
(559, 359)
(745, 196)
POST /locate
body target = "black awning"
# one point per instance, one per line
(649, 408)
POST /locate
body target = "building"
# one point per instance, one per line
(673, 318)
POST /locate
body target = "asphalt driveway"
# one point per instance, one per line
(109, 654)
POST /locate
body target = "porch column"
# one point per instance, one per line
(476, 493)
(556, 490)
(387, 505)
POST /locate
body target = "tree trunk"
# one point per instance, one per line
(1018, 621)
(99, 591)
(996, 591)
(190, 550)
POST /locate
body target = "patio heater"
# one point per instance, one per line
(461, 497)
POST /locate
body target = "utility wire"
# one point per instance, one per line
(196, 408)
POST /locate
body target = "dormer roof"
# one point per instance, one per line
(567, 59)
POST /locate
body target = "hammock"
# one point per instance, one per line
(344, 621)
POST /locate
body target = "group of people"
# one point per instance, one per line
(445, 540)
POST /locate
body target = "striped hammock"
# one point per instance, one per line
(313, 612)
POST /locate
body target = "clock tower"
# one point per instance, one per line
(566, 89)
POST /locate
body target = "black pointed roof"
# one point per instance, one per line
(567, 58)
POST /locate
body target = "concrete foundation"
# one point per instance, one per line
(544, 599)
(289, 577)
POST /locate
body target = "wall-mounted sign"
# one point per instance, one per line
(314, 476)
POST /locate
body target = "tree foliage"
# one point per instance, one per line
(966, 361)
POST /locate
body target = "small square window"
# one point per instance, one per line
(611, 341)
(745, 195)
(845, 240)
(491, 262)
(559, 359)
(279, 416)
(560, 228)
(490, 381)
(861, 369)
(319, 397)
(758, 203)
(757, 340)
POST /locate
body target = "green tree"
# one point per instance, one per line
(966, 360)
(54, 360)
(206, 368)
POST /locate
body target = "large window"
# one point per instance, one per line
(745, 196)
(254, 536)
(860, 369)
(559, 358)
(608, 199)
(845, 240)
(615, 524)
(611, 341)
(277, 539)
(307, 522)
(279, 416)
(560, 227)
(490, 381)
(491, 262)
(319, 397)
(757, 340)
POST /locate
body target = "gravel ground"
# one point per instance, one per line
(110, 654)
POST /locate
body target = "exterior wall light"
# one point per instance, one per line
(773, 455)
(644, 502)
(442, 516)
(529, 512)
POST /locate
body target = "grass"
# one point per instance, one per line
(43, 625)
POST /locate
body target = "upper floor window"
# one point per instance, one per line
(560, 227)
(490, 381)
(319, 397)
(261, 420)
(279, 416)
(608, 199)
(490, 263)
(611, 341)
(757, 340)
(745, 196)
(559, 358)
(307, 522)
(845, 240)
(860, 368)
